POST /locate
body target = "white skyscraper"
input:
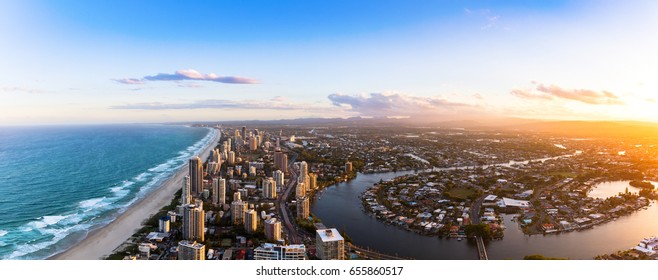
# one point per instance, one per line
(222, 191)
(238, 208)
(279, 178)
(303, 173)
(329, 244)
(186, 195)
(269, 188)
(194, 221)
(215, 191)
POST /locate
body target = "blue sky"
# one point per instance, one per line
(157, 61)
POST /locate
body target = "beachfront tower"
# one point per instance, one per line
(196, 175)
(194, 222)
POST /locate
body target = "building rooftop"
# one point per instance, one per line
(328, 235)
(191, 244)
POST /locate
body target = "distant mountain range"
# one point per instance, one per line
(616, 129)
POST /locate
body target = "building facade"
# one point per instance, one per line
(190, 250)
(196, 175)
(329, 244)
(272, 229)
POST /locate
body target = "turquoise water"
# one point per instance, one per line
(57, 183)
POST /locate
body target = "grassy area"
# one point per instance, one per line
(461, 193)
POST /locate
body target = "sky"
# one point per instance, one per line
(79, 62)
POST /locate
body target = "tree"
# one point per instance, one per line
(481, 230)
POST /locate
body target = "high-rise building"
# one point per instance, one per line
(300, 190)
(215, 155)
(164, 224)
(269, 251)
(307, 183)
(213, 168)
(303, 172)
(281, 161)
(196, 175)
(303, 208)
(269, 188)
(222, 191)
(194, 222)
(329, 244)
(250, 221)
(215, 191)
(312, 181)
(186, 194)
(231, 158)
(253, 143)
(272, 229)
(279, 178)
(348, 167)
(244, 131)
(225, 147)
(190, 250)
(238, 207)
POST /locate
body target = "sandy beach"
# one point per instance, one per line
(101, 242)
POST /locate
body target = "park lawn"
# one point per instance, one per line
(460, 193)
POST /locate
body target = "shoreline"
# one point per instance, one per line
(102, 241)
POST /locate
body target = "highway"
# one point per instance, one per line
(289, 227)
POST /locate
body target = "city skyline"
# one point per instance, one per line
(103, 62)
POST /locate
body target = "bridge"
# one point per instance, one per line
(482, 251)
(475, 219)
(371, 254)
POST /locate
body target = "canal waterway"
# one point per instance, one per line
(339, 206)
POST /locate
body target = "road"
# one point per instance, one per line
(290, 228)
(370, 254)
(475, 219)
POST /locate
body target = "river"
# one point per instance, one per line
(340, 207)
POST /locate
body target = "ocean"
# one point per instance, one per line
(58, 182)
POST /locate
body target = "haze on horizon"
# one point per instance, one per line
(168, 61)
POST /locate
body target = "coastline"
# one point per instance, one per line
(102, 241)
